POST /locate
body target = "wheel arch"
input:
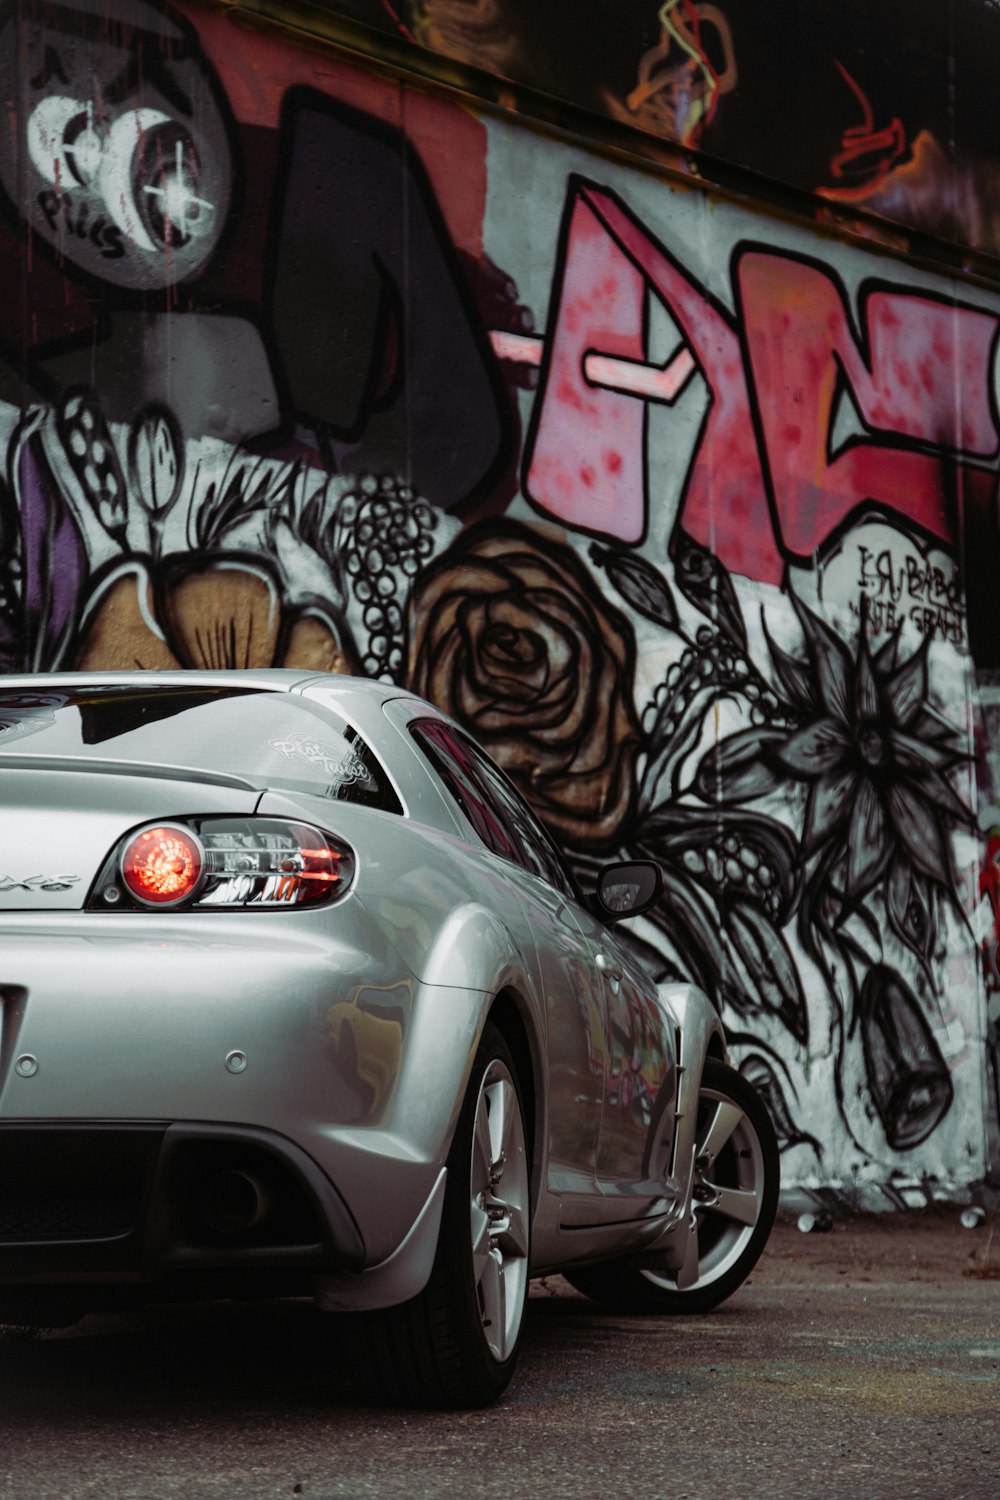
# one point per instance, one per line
(716, 1047)
(700, 1026)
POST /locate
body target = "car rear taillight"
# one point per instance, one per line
(211, 863)
(161, 866)
(266, 862)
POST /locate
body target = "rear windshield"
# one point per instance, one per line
(269, 739)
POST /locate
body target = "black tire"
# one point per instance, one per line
(728, 1248)
(442, 1349)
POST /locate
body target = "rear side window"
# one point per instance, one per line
(457, 770)
(271, 739)
(497, 812)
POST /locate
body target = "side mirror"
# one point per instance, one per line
(627, 890)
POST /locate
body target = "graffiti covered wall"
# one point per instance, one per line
(666, 499)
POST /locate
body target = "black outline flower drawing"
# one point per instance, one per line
(855, 729)
(874, 756)
(874, 753)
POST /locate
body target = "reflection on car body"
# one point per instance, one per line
(368, 1033)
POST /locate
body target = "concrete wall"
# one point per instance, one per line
(667, 497)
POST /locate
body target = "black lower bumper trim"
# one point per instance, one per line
(138, 1200)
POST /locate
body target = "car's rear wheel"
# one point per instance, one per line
(735, 1198)
(456, 1344)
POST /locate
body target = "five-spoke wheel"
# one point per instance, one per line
(499, 1210)
(456, 1344)
(734, 1198)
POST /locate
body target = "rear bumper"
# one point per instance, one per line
(307, 1031)
(136, 1201)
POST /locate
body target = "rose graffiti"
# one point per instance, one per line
(508, 634)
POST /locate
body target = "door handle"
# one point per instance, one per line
(607, 966)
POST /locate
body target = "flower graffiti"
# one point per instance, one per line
(874, 755)
(224, 614)
(909, 1082)
(509, 634)
(859, 733)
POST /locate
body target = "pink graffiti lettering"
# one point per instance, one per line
(586, 459)
(920, 354)
(767, 480)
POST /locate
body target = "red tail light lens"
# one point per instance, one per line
(225, 862)
(161, 866)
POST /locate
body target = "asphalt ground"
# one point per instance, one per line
(863, 1363)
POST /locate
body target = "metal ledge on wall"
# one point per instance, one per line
(323, 23)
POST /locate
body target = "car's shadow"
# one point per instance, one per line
(170, 1363)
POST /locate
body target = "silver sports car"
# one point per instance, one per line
(297, 997)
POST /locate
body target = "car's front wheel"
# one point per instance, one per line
(456, 1344)
(734, 1201)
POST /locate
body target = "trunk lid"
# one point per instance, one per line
(61, 819)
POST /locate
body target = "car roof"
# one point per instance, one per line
(277, 679)
(365, 693)
(359, 699)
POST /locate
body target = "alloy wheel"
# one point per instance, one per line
(499, 1210)
(730, 1174)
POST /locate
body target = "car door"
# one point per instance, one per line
(571, 991)
(616, 1074)
(634, 1151)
